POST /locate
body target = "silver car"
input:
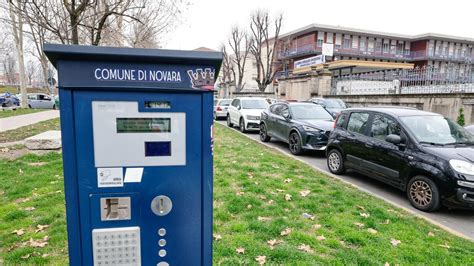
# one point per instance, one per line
(470, 129)
(41, 101)
(220, 108)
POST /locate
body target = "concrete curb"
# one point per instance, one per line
(445, 228)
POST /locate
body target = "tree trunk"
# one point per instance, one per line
(17, 28)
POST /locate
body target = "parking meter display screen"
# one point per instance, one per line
(143, 125)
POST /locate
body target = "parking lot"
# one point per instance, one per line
(458, 221)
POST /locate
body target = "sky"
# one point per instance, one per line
(208, 23)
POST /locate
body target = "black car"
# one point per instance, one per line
(304, 126)
(333, 106)
(426, 155)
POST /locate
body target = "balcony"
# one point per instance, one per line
(312, 49)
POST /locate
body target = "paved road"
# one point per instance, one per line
(14, 122)
(457, 221)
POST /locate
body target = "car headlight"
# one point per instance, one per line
(253, 117)
(311, 129)
(462, 167)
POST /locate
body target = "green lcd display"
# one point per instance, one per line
(143, 125)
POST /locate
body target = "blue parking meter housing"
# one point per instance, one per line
(137, 149)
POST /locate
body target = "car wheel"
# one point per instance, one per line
(295, 143)
(423, 194)
(229, 123)
(335, 162)
(242, 125)
(54, 107)
(263, 133)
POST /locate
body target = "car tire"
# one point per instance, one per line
(54, 106)
(294, 142)
(263, 133)
(423, 194)
(229, 123)
(335, 162)
(242, 125)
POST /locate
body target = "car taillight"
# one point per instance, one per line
(219, 108)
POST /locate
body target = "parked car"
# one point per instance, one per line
(245, 112)
(303, 125)
(220, 108)
(10, 101)
(470, 129)
(333, 106)
(426, 155)
(41, 101)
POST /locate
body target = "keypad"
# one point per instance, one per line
(116, 246)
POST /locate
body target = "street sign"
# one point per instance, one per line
(328, 49)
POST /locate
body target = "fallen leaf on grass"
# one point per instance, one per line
(304, 193)
(25, 256)
(217, 237)
(445, 245)
(240, 250)
(250, 175)
(239, 193)
(360, 225)
(20, 171)
(386, 221)
(288, 180)
(321, 238)
(360, 208)
(5, 150)
(286, 231)
(37, 164)
(305, 248)
(386, 264)
(29, 209)
(40, 243)
(40, 228)
(395, 242)
(45, 255)
(308, 216)
(273, 242)
(287, 197)
(19, 232)
(280, 190)
(264, 219)
(316, 226)
(431, 233)
(261, 259)
(372, 231)
(249, 206)
(270, 202)
(364, 214)
(262, 197)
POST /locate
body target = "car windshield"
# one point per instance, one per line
(224, 102)
(310, 111)
(437, 130)
(334, 103)
(254, 104)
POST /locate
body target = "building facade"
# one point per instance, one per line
(443, 52)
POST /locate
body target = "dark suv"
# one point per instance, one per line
(425, 154)
(304, 126)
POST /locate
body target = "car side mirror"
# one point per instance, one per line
(287, 116)
(394, 139)
(238, 107)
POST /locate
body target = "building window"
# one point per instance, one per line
(378, 46)
(362, 44)
(386, 47)
(347, 43)
(320, 43)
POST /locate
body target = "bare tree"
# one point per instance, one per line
(240, 43)
(16, 22)
(9, 69)
(264, 46)
(31, 68)
(227, 71)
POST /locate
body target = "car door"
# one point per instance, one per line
(386, 159)
(356, 143)
(270, 119)
(233, 109)
(284, 122)
(33, 101)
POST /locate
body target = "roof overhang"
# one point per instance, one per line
(355, 66)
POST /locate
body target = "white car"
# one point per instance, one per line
(220, 108)
(41, 101)
(245, 112)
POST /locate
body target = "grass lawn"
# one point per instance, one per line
(28, 131)
(19, 111)
(266, 207)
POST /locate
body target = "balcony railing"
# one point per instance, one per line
(398, 54)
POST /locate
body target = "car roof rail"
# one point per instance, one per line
(392, 107)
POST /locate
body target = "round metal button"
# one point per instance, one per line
(162, 242)
(163, 263)
(162, 232)
(162, 253)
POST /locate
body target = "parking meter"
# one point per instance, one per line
(137, 149)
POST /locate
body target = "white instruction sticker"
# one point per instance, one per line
(110, 177)
(133, 175)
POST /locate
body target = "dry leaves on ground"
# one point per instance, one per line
(240, 250)
(372, 231)
(19, 232)
(40, 243)
(264, 219)
(308, 216)
(445, 245)
(360, 225)
(261, 259)
(321, 238)
(316, 226)
(250, 175)
(273, 242)
(249, 206)
(217, 237)
(40, 228)
(288, 180)
(286, 231)
(270, 202)
(364, 214)
(304, 193)
(395, 242)
(29, 209)
(287, 197)
(431, 233)
(305, 248)
(239, 193)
